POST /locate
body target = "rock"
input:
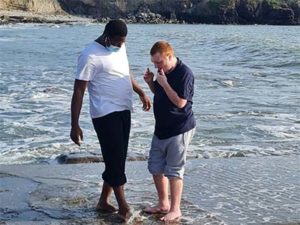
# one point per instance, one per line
(238, 154)
(281, 12)
(246, 12)
(36, 6)
(78, 157)
(74, 158)
(17, 16)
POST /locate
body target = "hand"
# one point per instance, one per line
(76, 135)
(161, 78)
(146, 102)
(148, 76)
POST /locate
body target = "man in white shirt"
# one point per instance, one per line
(103, 68)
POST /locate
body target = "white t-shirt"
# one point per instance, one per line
(109, 85)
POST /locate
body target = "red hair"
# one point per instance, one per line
(163, 48)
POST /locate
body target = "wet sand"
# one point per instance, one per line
(262, 190)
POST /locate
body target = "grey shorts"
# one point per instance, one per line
(168, 156)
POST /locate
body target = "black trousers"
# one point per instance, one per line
(113, 134)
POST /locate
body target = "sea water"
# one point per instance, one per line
(246, 101)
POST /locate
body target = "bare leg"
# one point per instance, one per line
(176, 186)
(124, 210)
(103, 204)
(161, 184)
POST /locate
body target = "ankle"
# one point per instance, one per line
(175, 209)
(123, 205)
(103, 201)
(124, 209)
(163, 202)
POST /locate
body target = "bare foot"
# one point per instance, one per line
(171, 216)
(157, 210)
(105, 207)
(124, 215)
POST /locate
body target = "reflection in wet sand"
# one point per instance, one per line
(217, 191)
(75, 203)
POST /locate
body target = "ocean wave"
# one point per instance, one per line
(7, 39)
(287, 132)
(244, 105)
(56, 152)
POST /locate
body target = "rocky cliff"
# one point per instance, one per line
(37, 6)
(279, 12)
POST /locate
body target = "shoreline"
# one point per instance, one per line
(18, 16)
(261, 190)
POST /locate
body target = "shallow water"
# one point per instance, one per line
(237, 191)
(246, 101)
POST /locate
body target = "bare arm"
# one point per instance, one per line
(151, 86)
(174, 98)
(172, 95)
(137, 89)
(76, 104)
(144, 98)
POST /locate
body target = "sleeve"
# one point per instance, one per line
(85, 68)
(186, 89)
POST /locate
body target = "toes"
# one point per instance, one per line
(170, 217)
(151, 210)
(155, 210)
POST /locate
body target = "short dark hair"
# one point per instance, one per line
(115, 28)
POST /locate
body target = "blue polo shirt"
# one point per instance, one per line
(169, 119)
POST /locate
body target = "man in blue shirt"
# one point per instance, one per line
(175, 124)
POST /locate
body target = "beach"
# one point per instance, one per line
(18, 16)
(243, 162)
(217, 191)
